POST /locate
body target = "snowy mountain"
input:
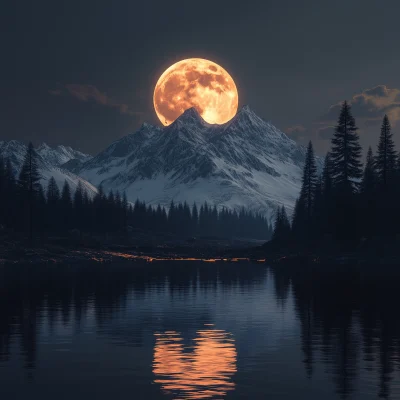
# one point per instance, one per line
(245, 162)
(59, 155)
(49, 160)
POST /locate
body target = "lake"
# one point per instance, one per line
(195, 330)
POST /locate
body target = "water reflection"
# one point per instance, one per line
(339, 328)
(349, 321)
(202, 370)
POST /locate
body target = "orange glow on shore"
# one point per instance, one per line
(204, 372)
(172, 258)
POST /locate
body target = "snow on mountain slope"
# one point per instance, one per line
(49, 161)
(61, 154)
(245, 162)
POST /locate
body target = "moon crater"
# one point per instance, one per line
(198, 83)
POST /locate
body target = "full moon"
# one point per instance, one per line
(198, 83)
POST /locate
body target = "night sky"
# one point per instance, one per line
(82, 73)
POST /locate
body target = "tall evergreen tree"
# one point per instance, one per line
(41, 210)
(66, 207)
(309, 181)
(53, 193)
(346, 175)
(369, 180)
(10, 203)
(368, 194)
(327, 177)
(318, 211)
(29, 185)
(195, 219)
(124, 214)
(282, 226)
(386, 176)
(299, 219)
(3, 193)
(53, 198)
(327, 202)
(346, 153)
(78, 207)
(386, 157)
(303, 212)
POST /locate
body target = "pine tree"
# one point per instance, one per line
(318, 211)
(369, 181)
(86, 209)
(303, 212)
(29, 186)
(3, 193)
(299, 219)
(41, 210)
(66, 207)
(78, 207)
(53, 193)
(186, 219)
(195, 219)
(386, 179)
(10, 204)
(368, 196)
(309, 181)
(285, 222)
(327, 202)
(346, 171)
(386, 158)
(53, 198)
(282, 226)
(346, 153)
(172, 217)
(124, 215)
(327, 177)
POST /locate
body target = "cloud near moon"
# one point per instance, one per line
(198, 83)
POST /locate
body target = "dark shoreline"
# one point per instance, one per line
(13, 253)
(54, 253)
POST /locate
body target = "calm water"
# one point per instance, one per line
(182, 330)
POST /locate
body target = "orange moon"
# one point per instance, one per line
(198, 83)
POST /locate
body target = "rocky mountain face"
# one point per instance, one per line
(245, 162)
(50, 162)
(60, 155)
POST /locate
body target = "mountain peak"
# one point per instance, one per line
(247, 112)
(190, 116)
(245, 162)
(246, 108)
(43, 146)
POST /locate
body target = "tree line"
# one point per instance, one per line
(346, 203)
(26, 207)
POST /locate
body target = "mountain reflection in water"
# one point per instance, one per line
(200, 371)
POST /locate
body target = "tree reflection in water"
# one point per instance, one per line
(349, 321)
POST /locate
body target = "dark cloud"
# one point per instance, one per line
(92, 93)
(370, 105)
(377, 91)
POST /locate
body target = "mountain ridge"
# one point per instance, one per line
(50, 163)
(244, 162)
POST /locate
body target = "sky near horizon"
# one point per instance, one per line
(83, 73)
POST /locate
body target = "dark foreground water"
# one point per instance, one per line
(186, 330)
